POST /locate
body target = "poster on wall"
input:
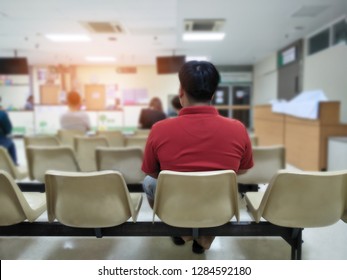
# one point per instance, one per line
(135, 96)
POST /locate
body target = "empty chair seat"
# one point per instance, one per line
(7, 164)
(15, 206)
(127, 161)
(85, 148)
(41, 159)
(115, 138)
(136, 141)
(196, 199)
(142, 132)
(91, 199)
(301, 199)
(268, 160)
(66, 136)
(41, 140)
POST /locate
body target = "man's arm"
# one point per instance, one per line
(241, 171)
(153, 175)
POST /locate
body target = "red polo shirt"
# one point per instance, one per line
(199, 139)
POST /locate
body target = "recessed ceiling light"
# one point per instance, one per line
(198, 58)
(100, 58)
(68, 37)
(203, 36)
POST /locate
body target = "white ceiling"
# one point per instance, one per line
(254, 28)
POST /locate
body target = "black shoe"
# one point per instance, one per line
(177, 240)
(197, 248)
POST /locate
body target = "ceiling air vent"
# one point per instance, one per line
(310, 11)
(103, 27)
(204, 25)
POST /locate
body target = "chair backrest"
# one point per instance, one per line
(196, 199)
(305, 199)
(136, 141)
(85, 148)
(7, 164)
(142, 132)
(344, 216)
(41, 140)
(89, 199)
(115, 138)
(127, 161)
(41, 159)
(66, 136)
(254, 140)
(268, 160)
(14, 208)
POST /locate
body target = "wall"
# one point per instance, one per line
(145, 78)
(327, 70)
(265, 80)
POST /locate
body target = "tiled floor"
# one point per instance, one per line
(319, 243)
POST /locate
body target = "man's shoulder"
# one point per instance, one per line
(165, 123)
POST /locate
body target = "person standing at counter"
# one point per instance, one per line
(151, 115)
(75, 119)
(5, 140)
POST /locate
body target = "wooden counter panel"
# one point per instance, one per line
(269, 132)
(265, 112)
(302, 144)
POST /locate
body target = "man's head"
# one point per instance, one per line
(74, 99)
(199, 80)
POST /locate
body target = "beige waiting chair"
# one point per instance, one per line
(41, 140)
(344, 216)
(85, 148)
(40, 159)
(254, 140)
(7, 164)
(268, 160)
(66, 136)
(15, 206)
(115, 138)
(142, 132)
(91, 199)
(196, 199)
(301, 199)
(136, 141)
(127, 161)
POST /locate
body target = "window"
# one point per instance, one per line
(340, 32)
(319, 42)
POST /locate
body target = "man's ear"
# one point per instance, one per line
(181, 92)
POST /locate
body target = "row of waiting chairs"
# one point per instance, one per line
(126, 160)
(84, 147)
(267, 161)
(183, 199)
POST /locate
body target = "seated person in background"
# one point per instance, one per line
(151, 115)
(199, 139)
(29, 104)
(75, 119)
(176, 104)
(5, 130)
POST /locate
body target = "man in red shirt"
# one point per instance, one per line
(199, 139)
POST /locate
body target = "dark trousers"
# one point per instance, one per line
(10, 146)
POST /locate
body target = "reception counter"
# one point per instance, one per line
(305, 140)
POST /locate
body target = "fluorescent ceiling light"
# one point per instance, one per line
(100, 58)
(203, 36)
(198, 58)
(68, 37)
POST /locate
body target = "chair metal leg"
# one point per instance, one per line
(297, 244)
(98, 233)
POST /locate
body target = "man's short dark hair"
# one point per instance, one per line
(199, 79)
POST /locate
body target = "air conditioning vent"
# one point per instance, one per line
(310, 11)
(104, 27)
(204, 25)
